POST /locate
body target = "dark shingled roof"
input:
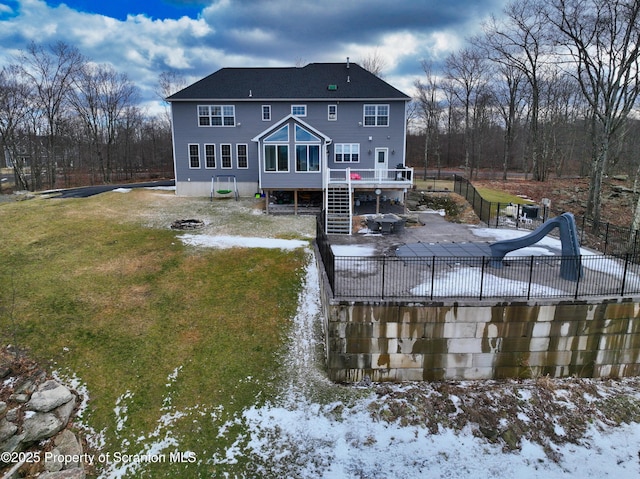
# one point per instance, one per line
(314, 81)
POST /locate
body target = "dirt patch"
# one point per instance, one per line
(456, 208)
(571, 194)
(545, 411)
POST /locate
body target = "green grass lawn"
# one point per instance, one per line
(171, 342)
(502, 197)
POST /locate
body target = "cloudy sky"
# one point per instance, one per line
(197, 37)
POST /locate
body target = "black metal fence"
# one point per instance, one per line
(437, 277)
(607, 238)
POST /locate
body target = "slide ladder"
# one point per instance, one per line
(570, 264)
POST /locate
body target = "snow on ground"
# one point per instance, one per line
(449, 284)
(240, 242)
(353, 250)
(546, 246)
(300, 436)
(338, 441)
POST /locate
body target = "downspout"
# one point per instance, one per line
(266, 196)
(173, 147)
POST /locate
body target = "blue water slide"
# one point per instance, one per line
(570, 264)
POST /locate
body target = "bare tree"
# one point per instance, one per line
(51, 71)
(429, 110)
(169, 82)
(602, 39)
(374, 63)
(14, 106)
(466, 71)
(507, 92)
(520, 41)
(559, 113)
(101, 97)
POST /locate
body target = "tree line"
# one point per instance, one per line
(548, 88)
(66, 120)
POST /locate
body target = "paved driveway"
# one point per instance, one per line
(86, 191)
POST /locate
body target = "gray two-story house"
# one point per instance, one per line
(326, 135)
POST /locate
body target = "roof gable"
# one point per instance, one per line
(317, 81)
(285, 120)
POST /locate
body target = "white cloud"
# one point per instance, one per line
(233, 33)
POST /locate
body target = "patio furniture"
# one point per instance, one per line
(387, 224)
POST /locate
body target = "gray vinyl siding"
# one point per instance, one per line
(349, 128)
(186, 131)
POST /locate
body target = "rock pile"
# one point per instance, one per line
(35, 413)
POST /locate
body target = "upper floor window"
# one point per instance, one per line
(216, 115)
(332, 112)
(266, 112)
(376, 115)
(299, 110)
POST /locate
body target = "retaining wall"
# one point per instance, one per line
(412, 341)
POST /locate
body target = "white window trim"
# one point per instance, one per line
(222, 145)
(222, 116)
(307, 145)
(215, 156)
(262, 112)
(246, 148)
(299, 106)
(350, 153)
(376, 116)
(189, 156)
(276, 145)
(335, 117)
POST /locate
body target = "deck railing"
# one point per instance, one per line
(393, 177)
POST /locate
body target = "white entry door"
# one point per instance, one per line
(382, 163)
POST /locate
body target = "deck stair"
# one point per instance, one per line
(339, 201)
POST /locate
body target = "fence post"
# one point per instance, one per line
(433, 273)
(530, 278)
(624, 275)
(606, 238)
(498, 215)
(575, 296)
(482, 277)
(383, 275)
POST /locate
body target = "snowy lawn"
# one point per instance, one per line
(311, 428)
(522, 429)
